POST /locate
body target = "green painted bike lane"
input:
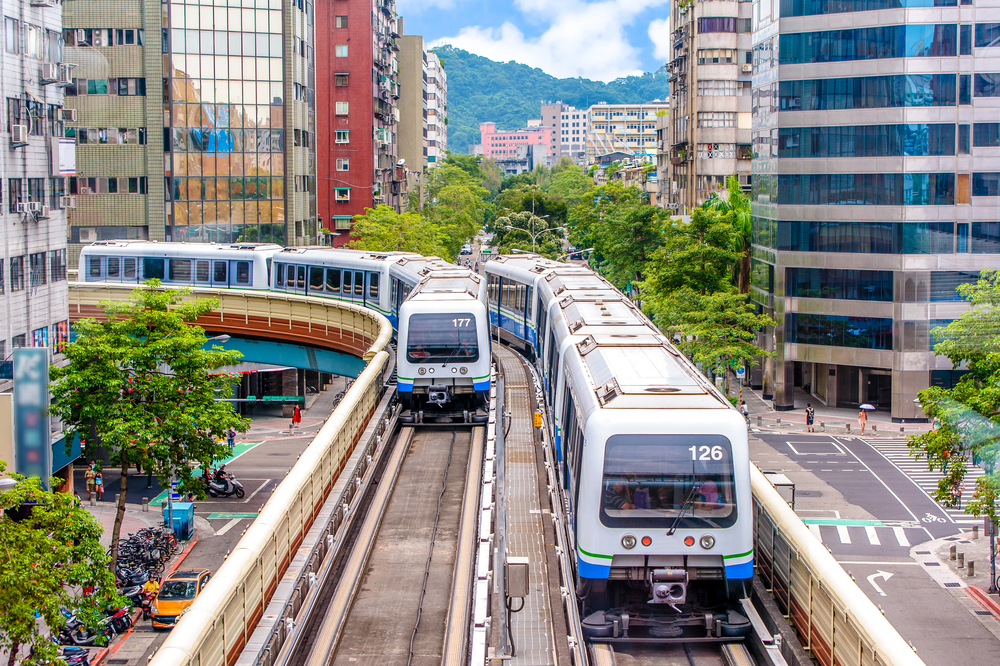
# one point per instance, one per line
(238, 450)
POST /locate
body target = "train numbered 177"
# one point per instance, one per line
(438, 309)
(652, 459)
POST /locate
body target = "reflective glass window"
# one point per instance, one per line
(987, 85)
(839, 331)
(986, 135)
(985, 237)
(987, 34)
(910, 189)
(870, 92)
(814, 7)
(834, 283)
(333, 280)
(859, 237)
(985, 184)
(867, 141)
(887, 41)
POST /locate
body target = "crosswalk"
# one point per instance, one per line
(884, 536)
(898, 453)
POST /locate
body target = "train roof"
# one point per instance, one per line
(451, 283)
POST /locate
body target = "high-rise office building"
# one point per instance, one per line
(33, 164)
(874, 193)
(710, 116)
(357, 88)
(225, 93)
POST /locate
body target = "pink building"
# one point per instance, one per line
(500, 145)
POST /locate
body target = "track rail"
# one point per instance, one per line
(400, 582)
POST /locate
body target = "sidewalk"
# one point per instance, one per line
(832, 420)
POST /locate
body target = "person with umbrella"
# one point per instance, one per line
(863, 416)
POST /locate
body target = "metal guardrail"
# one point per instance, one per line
(831, 615)
(322, 322)
(222, 618)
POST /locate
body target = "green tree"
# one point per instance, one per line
(142, 382)
(736, 207)
(626, 238)
(492, 176)
(968, 413)
(382, 229)
(50, 550)
(548, 238)
(571, 183)
(457, 203)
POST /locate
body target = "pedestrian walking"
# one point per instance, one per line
(231, 438)
(863, 419)
(89, 476)
(810, 417)
(296, 417)
(99, 483)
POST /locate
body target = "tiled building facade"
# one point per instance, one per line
(629, 128)
(875, 190)
(33, 163)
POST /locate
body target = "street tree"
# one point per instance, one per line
(141, 384)
(736, 207)
(50, 550)
(548, 238)
(382, 229)
(456, 202)
(968, 414)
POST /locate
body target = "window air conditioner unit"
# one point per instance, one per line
(50, 72)
(45, 213)
(21, 207)
(19, 135)
(34, 206)
(81, 35)
(66, 73)
(88, 235)
(69, 114)
(747, 69)
(43, 3)
(99, 38)
(67, 202)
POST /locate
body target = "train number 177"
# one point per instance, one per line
(460, 323)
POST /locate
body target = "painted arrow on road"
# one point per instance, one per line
(884, 575)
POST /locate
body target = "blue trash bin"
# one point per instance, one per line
(183, 519)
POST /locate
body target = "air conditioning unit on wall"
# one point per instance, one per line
(19, 135)
(88, 234)
(747, 69)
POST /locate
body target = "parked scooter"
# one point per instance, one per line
(75, 633)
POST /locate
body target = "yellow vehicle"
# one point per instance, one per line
(176, 594)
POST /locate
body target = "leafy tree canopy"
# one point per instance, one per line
(142, 381)
(548, 239)
(382, 229)
(49, 551)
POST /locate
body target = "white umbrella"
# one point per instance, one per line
(867, 406)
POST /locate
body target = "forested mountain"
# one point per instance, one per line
(509, 93)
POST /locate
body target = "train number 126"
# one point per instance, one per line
(706, 452)
(460, 323)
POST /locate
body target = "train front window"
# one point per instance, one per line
(653, 481)
(442, 338)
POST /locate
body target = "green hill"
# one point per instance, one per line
(509, 93)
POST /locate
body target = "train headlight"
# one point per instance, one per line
(454, 370)
(707, 541)
(464, 370)
(430, 370)
(422, 371)
(689, 541)
(628, 541)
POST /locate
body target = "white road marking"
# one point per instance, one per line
(845, 536)
(901, 537)
(816, 533)
(884, 575)
(872, 536)
(259, 488)
(228, 526)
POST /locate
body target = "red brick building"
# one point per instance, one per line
(356, 92)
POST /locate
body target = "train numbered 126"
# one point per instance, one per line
(652, 459)
(438, 309)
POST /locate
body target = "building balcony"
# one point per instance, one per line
(744, 151)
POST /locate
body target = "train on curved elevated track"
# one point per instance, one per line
(437, 308)
(653, 460)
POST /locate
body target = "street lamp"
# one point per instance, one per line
(220, 338)
(534, 235)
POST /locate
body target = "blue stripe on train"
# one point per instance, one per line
(588, 570)
(481, 386)
(404, 387)
(736, 571)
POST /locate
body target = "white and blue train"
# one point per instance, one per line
(443, 373)
(652, 459)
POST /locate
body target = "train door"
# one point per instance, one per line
(239, 274)
(202, 272)
(220, 273)
(129, 271)
(359, 286)
(372, 290)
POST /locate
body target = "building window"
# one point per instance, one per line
(340, 22)
(887, 41)
(717, 24)
(57, 265)
(870, 92)
(340, 79)
(716, 150)
(14, 187)
(342, 222)
(16, 273)
(2, 280)
(340, 50)
(715, 88)
(342, 193)
(712, 57)
(342, 136)
(37, 261)
(717, 119)
(36, 189)
(342, 108)
(343, 164)
(839, 331)
(11, 33)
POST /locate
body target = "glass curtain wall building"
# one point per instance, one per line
(218, 99)
(875, 172)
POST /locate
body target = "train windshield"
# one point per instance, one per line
(442, 338)
(656, 480)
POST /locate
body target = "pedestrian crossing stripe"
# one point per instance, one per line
(880, 536)
(897, 452)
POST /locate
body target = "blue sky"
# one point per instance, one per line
(595, 39)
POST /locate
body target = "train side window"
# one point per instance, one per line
(348, 276)
(540, 333)
(220, 272)
(242, 272)
(152, 268)
(333, 280)
(279, 275)
(552, 366)
(201, 271)
(315, 278)
(373, 285)
(180, 270)
(406, 290)
(128, 265)
(359, 283)
(94, 268)
(393, 293)
(290, 272)
(300, 277)
(520, 299)
(114, 268)
(528, 302)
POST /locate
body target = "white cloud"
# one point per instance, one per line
(405, 7)
(659, 34)
(582, 38)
